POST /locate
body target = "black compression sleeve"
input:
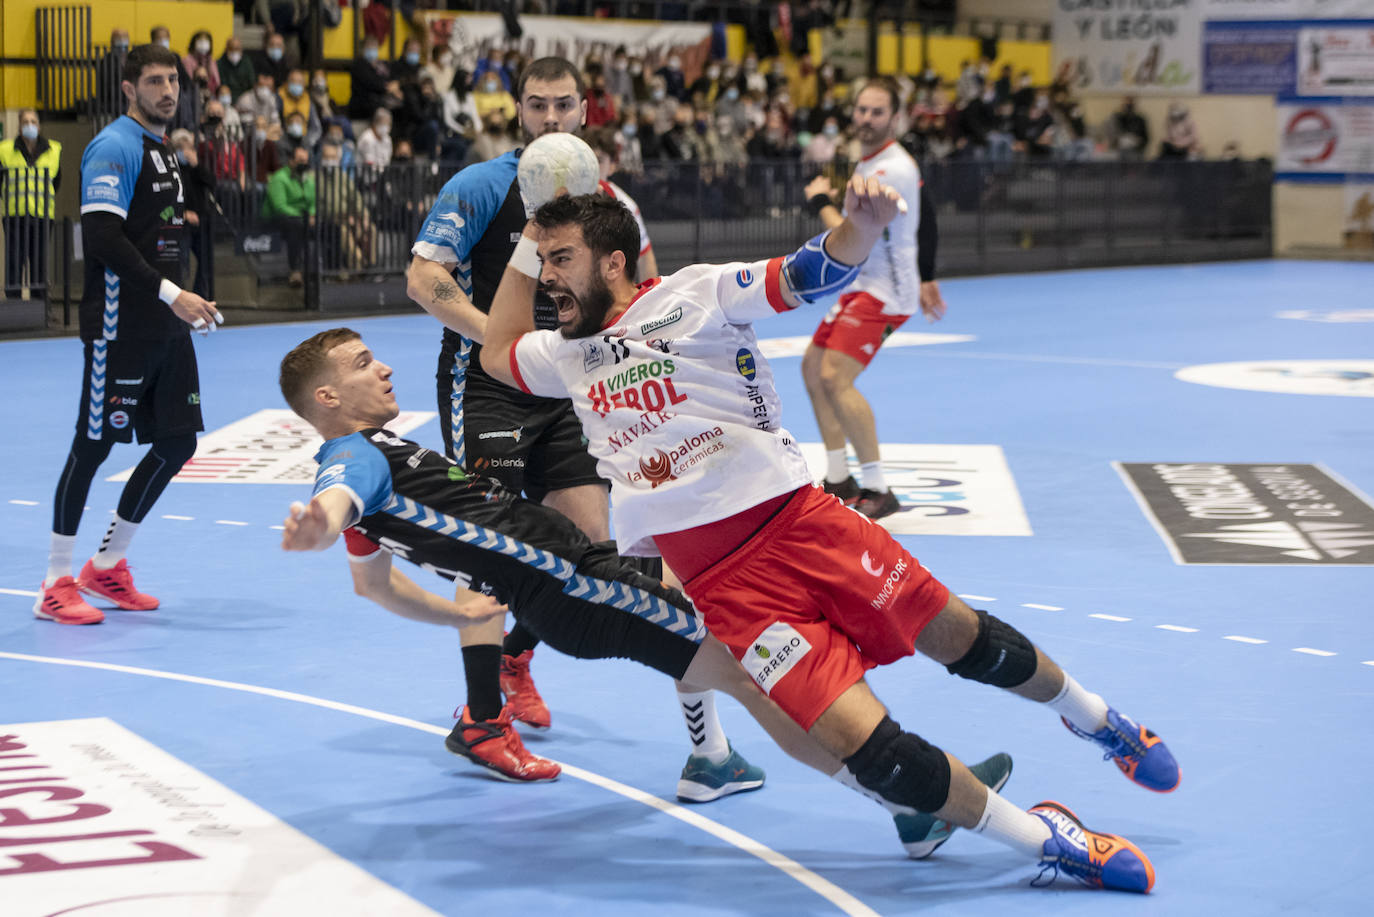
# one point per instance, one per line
(927, 236)
(103, 236)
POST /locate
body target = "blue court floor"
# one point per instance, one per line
(269, 743)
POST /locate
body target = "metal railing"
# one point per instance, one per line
(63, 57)
(27, 204)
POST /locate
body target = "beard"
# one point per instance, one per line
(152, 115)
(591, 310)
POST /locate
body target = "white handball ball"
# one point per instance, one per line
(554, 163)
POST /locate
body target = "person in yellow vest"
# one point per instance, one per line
(30, 169)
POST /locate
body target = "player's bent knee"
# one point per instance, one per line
(1000, 655)
(176, 450)
(902, 768)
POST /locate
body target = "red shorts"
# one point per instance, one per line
(813, 600)
(856, 326)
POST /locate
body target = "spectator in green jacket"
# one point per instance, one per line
(290, 207)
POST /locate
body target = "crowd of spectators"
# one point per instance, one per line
(256, 119)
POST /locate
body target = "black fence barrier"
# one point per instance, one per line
(26, 217)
(63, 56)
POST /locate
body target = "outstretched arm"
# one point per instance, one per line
(376, 578)
(812, 272)
(314, 527)
(512, 308)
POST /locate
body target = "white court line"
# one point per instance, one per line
(1047, 358)
(235, 522)
(1368, 662)
(1176, 627)
(18, 592)
(1311, 652)
(179, 518)
(1102, 617)
(24, 502)
(1041, 607)
(1254, 640)
(976, 598)
(837, 896)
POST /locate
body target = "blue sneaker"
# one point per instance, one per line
(1095, 859)
(702, 781)
(921, 833)
(1139, 753)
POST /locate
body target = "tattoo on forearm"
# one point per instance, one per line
(445, 290)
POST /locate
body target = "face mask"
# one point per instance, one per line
(659, 95)
(713, 73)
(621, 65)
(259, 135)
(831, 130)
(320, 86)
(732, 93)
(783, 98)
(444, 61)
(413, 58)
(1025, 81)
(636, 69)
(329, 163)
(274, 54)
(264, 93)
(630, 129)
(295, 130)
(383, 130)
(674, 63)
(234, 57)
(299, 168)
(202, 47)
(296, 89)
(370, 55)
(492, 87)
(29, 131)
(212, 121)
(165, 42)
(226, 100)
(121, 46)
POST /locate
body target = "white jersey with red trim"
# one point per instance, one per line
(676, 400)
(617, 192)
(890, 274)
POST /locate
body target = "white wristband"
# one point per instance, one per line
(168, 291)
(525, 258)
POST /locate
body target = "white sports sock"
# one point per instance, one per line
(1084, 709)
(117, 538)
(836, 465)
(871, 477)
(699, 712)
(59, 558)
(1020, 830)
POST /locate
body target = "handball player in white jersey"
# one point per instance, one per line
(681, 412)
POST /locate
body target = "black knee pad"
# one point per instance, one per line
(1000, 655)
(902, 767)
(176, 450)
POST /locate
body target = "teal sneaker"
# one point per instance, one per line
(702, 781)
(921, 833)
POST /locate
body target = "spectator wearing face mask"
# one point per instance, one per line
(219, 150)
(374, 145)
(1025, 95)
(319, 97)
(824, 144)
(1129, 131)
(674, 82)
(110, 71)
(200, 56)
(751, 78)
(235, 70)
(289, 207)
(493, 63)
(334, 136)
(730, 105)
(296, 101)
(441, 68)
(494, 140)
(418, 119)
(631, 157)
(406, 68)
(460, 118)
(347, 235)
(1181, 139)
(601, 108)
(491, 96)
(273, 59)
(639, 80)
(619, 83)
(706, 87)
(369, 76)
(293, 136)
(30, 173)
(262, 102)
(197, 184)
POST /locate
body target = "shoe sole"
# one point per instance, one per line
(121, 605)
(496, 772)
(44, 616)
(918, 851)
(688, 791)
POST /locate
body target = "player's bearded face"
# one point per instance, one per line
(582, 301)
(155, 95)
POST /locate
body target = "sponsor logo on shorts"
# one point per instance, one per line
(119, 420)
(167, 213)
(891, 586)
(773, 654)
(744, 278)
(870, 567)
(124, 400)
(503, 434)
(137, 381)
(1296, 377)
(483, 463)
(456, 474)
(1276, 515)
(670, 318)
(744, 362)
(663, 467)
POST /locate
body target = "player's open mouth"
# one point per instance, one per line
(565, 302)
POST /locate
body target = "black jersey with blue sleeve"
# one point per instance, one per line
(133, 232)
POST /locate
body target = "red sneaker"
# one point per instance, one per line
(62, 602)
(117, 585)
(495, 745)
(522, 698)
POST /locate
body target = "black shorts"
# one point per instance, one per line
(530, 444)
(638, 618)
(151, 387)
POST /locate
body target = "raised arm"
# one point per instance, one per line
(512, 309)
(817, 270)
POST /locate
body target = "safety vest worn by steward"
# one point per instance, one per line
(28, 188)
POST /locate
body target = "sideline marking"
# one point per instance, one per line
(18, 592)
(837, 896)
(1253, 640)
(976, 598)
(1311, 652)
(179, 518)
(1102, 617)
(24, 502)
(1041, 607)
(1177, 627)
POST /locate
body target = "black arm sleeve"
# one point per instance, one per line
(927, 237)
(102, 235)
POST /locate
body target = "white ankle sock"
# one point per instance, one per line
(871, 477)
(1014, 827)
(1084, 709)
(836, 465)
(117, 538)
(699, 712)
(59, 558)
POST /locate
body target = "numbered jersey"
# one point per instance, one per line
(131, 173)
